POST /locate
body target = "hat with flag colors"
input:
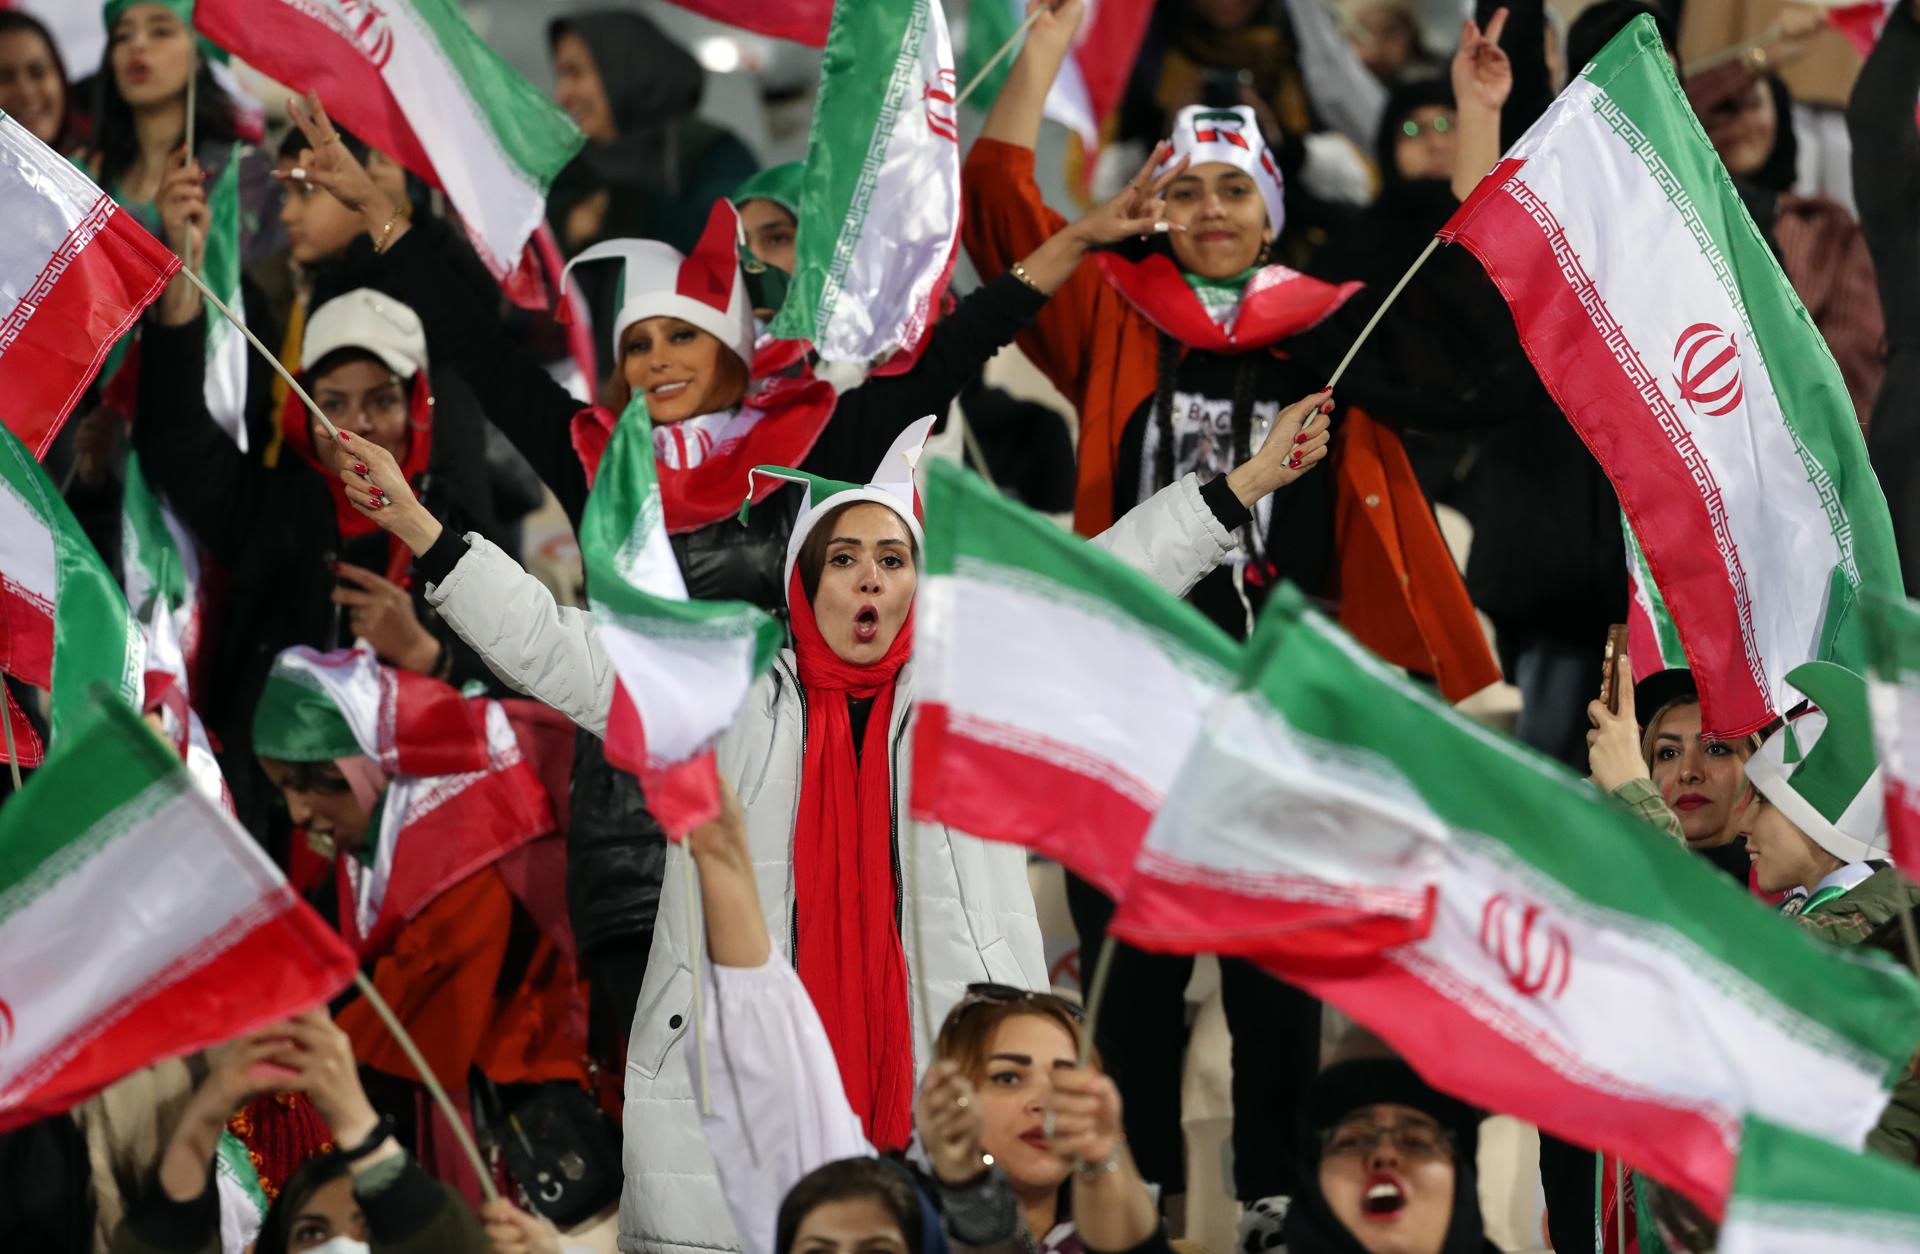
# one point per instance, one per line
(779, 184)
(1232, 136)
(703, 287)
(1795, 1192)
(892, 486)
(137, 921)
(1821, 770)
(1893, 637)
(458, 792)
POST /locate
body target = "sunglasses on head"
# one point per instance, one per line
(1008, 995)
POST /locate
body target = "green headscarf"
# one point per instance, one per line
(778, 183)
(297, 722)
(115, 9)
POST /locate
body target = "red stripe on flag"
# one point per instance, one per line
(1450, 1043)
(803, 21)
(89, 294)
(1025, 796)
(26, 635)
(1108, 47)
(280, 960)
(682, 796)
(1666, 499)
(436, 731)
(1177, 907)
(1903, 822)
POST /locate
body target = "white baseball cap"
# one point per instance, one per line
(372, 322)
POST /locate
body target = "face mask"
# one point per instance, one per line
(342, 1245)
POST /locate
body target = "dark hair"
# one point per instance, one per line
(1403, 101)
(845, 1181)
(968, 1031)
(312, 776)
(341, 357)
(14, 21)
(276, 1230)
(1601, 22)
(812, 557)
(1782, 166)
(115, 141)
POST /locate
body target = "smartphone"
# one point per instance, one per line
(1609, 666)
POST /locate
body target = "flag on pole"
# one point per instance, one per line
(75, 273)
(1653, 642)
(64, 625)
(1020, 733)
(460, 792)
(413, 79)
(1893, 687)
(684, 666)
(880, 199)
(226, 379)
(1553, 909)
(1795, 1193)
(1659, 319)
(1860, 24)
(137, 922)
(1091, 81)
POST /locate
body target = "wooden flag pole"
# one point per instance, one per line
(13, 755)
(1096, 993)
(1013, 41)
(273, 361)
(1374, 321)
(432, 1082)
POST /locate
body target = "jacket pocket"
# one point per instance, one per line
(660, 1021)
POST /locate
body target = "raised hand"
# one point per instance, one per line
(182, 201)
(1482, 74)
(381, 613)
(377, 489)
(1140, 208)
(947, 1117)
(1613, 746)
(511, 1230)
(1052, 33)
(242, 1069)
(327, 164)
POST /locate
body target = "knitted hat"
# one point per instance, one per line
(1231, 136)
(703, 288)
(1820, 769)
(892, 487)
(777, 183)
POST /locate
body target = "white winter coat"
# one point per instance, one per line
(967, 912)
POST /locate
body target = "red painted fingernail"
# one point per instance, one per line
(1327, 408)
(1301, 438)
(1294, 460)
(360, 468)
(345, 436)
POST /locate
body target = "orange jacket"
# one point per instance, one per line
(1400, 593)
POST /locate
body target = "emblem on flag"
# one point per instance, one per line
(371, 33)
(1532, 964)
(941, 118)
(1708, 361)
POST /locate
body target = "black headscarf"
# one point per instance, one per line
(1777, 173)
(1312, 1227)
(651, 83)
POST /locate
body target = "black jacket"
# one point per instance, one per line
(616, 853)
(274, 533)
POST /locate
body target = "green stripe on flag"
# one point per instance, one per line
(95, 640)
(1667, 633)
(146, 542)
(990, 23)
(873, 49)
(533, 133)
(1618, 872)
(1787, 1179)
(1643, 102)
(1893, 636)
(631, 571)
(972, 530)
(109, 772)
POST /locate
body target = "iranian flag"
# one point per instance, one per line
(1659, 319)
(460, 793)
(1653, 641)
(1327, 773)
(411, 78)
(1094, 76)
(137, 922)
(880, 200)
(684, 667)
(64, 625)
(1893, 686)
(1859, 24)
(226, 377)
(1796, 1193)
(75, 273)
(803, 21)
(1020, 733)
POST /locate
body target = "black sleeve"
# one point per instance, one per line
(1886, 168)
(867, 419)
(224, 496)
(160, 1223)
(402, 1208)
(438, 561)
(518, 395)
(1226, 507)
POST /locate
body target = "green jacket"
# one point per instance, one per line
(408, 1212)
(1869, 914)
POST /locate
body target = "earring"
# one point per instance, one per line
(1266, 251)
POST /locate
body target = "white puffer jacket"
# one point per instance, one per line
(967, 912)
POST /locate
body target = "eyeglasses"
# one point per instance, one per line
(1418, 1142)
(1008, 995)
(1438, 125)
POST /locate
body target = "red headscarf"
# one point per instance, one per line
(846, 890)
(296, 431)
